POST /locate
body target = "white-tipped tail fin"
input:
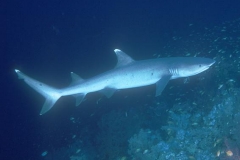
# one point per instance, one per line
(51, 94)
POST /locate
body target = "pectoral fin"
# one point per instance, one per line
(161, 84)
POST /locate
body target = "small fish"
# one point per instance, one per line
(145, 151)
(44, 153)
(220, 86)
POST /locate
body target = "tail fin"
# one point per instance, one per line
(51, 94)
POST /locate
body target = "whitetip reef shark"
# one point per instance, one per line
(128, 73)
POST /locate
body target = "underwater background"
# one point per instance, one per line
(195, 118)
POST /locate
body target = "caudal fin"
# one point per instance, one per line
(51, 94)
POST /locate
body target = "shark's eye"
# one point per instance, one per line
(200, 65)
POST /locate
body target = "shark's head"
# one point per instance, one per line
(192, 66)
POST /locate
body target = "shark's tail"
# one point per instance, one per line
(51, 94)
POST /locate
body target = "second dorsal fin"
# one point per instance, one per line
(76, 79)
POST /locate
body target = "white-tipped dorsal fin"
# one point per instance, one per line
(76, 79)
(123, 58)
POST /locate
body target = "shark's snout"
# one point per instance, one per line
(213, 61)
(207, 62)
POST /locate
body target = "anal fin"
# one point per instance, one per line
(79, 98)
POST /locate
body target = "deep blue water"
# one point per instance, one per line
(49, 39)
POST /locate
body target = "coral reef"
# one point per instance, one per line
(189, 135)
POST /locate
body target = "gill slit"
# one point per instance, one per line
(173, 71)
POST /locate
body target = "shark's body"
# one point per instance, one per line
(128, 73)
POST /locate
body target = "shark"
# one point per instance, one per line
(128, 73)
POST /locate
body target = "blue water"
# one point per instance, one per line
(49, 39)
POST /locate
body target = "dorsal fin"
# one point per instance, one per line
(76, 78)
(123, 58)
